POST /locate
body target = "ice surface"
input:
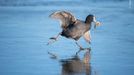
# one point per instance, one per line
(25, 28)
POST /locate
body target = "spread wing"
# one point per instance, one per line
(65, 18)
(87, 36)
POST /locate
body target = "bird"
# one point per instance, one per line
(74, 28)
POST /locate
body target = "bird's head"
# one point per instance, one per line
(91, 18)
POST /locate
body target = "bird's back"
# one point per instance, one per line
(75, 31)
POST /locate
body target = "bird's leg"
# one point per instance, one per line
(81, 48)
(53, 39)
(87, 37)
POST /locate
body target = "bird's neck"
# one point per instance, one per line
(88, 23)
(88, 26)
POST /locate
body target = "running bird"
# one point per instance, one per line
(74, 28)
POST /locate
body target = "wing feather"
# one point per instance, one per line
(66, 18)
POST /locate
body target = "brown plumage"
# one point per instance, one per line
(74, 28)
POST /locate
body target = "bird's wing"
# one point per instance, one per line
(66, 18)
(87, 36)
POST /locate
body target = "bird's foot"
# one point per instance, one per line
(81, 49)
(53, 56)
(85, 48)
(52, 40)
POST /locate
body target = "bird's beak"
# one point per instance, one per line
(97, 23)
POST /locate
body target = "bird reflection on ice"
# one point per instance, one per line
(76, 66)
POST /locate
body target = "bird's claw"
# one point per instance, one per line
(53, 38)
(81, 48)
(85, 49)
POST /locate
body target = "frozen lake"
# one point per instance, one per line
(25, 28)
